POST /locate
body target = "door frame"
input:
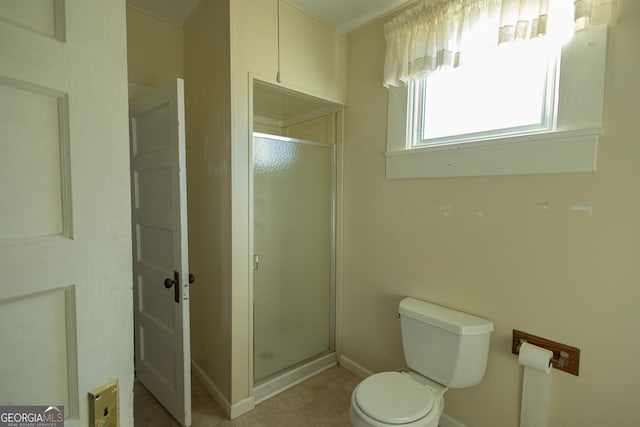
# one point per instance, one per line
(256, 395)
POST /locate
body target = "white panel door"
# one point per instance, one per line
(160, 258)
(65, 230)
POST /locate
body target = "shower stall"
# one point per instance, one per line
(294, 228)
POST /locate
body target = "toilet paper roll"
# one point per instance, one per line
(536, 385)
(535, 357)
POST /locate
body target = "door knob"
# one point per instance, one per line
(168, 283)
(192, 278)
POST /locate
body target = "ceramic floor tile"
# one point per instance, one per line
(322, 400)
(294, 398)
(207, 415)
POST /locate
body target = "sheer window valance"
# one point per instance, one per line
(445, 33)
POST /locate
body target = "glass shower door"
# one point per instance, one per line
(293, 242)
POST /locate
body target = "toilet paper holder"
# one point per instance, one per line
(562, 357)
(565, 358)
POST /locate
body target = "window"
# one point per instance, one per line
(437, 128)
(509, 91)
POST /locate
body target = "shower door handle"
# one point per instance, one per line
(256, 262)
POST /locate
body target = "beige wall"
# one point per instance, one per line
(485, 246)
(313, 57)
(155, 49)
(209, 189)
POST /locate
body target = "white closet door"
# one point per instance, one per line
(160, 258)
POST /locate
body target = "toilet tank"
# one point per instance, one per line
(445, 345)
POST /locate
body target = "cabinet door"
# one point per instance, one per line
(313, 56)
(254, 37)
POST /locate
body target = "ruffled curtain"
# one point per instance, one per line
(446, 33)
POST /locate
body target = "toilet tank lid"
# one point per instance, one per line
(445, 318)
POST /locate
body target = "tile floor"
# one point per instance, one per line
(322, 400)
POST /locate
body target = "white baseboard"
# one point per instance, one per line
(352, 366)
(242, 407)
(289, 379)
(362, 372)
(447, 421)
(232, 410)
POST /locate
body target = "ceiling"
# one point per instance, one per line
(347, 15)
(343, 15)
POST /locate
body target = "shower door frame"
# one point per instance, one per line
(333, 256)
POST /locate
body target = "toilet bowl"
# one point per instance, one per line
(397, 399)
(443, 348)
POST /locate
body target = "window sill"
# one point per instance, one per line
(553, 152)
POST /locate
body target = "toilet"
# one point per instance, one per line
(443, 349)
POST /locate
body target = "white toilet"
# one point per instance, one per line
(444, 348)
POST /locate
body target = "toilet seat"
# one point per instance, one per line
(394, 398)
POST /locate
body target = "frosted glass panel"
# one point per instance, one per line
(293, 239)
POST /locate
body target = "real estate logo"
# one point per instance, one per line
(32, 416)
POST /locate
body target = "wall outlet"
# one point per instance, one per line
(103, 405)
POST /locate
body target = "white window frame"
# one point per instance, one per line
(571, 146)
